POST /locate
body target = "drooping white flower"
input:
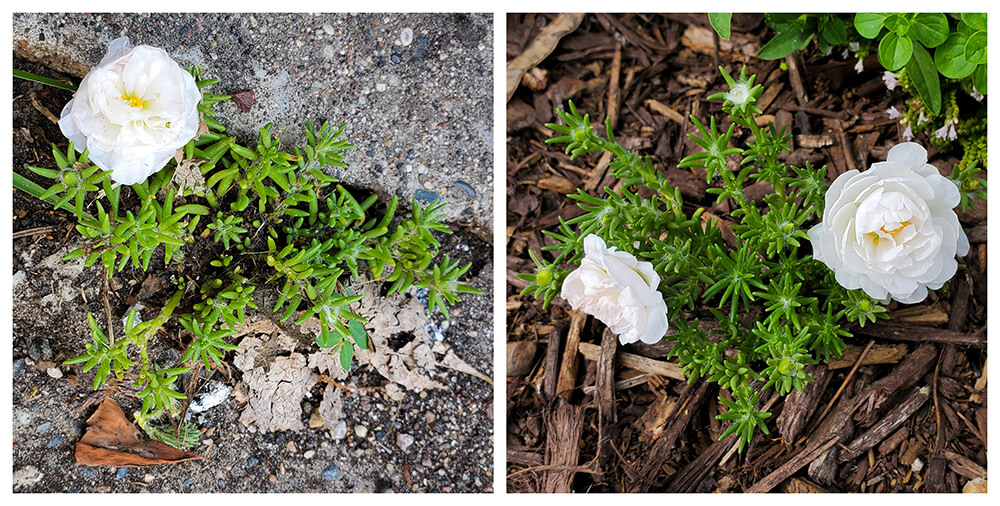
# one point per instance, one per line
(618, 290)
(860, 66)
(946, 132)
(892, 230)
(921, 119)
(892, 112)
(133, 111)
(908, 133)
(976, 95)
(854, 46)
(890, 80)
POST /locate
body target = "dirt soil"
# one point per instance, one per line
(435, 440)
(928, 361)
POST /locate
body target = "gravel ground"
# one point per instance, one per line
(418, 105)
(419, 113)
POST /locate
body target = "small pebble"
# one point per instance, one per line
(406, 36)
(272, 478)
(87, 473)
(122, 471)
(315, 420)
(468, 189)
(331, 473)
(54, 372)
(222, 482)
(361, 431)
(403, 441)
(252, 461)
(380, 87)
(18, 367)
(430, 417)
(309, 454)
(340, 431)
(395, 58)
(290, 447)
(328, 28)
(55, 441)
(44, 427)
(148, 478)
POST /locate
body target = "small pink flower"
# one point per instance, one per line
(908, 133)
(892, 112)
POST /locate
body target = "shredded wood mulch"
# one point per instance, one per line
(904, 409)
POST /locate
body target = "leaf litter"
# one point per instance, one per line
(277, 378)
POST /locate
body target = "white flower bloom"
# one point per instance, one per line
(946, 132)
(739, 93)
(860, 66)
(890, 80)
(619, 290)
(853, 46)
(976, 95)
(921, 119)
(892, 112)
(952, 134)
(908, 133)
(892, 230)
(133, 111)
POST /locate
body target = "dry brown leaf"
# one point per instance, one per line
(539, 48)
(557, 183)
(452, 361)
(111, 440)
(331, 408)
(276, 393)
(244, 99)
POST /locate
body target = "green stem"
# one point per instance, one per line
(28, 76)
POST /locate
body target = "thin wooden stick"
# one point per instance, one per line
(844, 384)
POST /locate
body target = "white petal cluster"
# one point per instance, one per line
(618, 290)
(892, 230)
(133, 111)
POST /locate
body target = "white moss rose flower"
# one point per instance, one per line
(132, 111)
(892, 230)
(618, 290)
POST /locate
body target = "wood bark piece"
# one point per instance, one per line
(520, 357)
(903, 376)
(604, 397)
(892, 420)
(964, 466)
(637, 362)
(687, 479)
(614, 90)
(111, 440)
(878, 354)
(789, 468)
(916, 333)
(567, 371)
(552, 363)
(691, 403)
(542, 46)
(665, 111)
(800, 405)
(562, 448)
(795, 78)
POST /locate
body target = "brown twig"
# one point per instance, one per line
(846, 381)
(614, 88)
(32, 231)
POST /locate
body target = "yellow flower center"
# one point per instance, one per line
(892, 232)
(134, 101)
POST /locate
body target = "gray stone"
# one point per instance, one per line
(331, 473)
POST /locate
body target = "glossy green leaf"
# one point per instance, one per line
(976, 20)
(930, 29)
(722, 23)
(925, 78)
(869, 25)
(975, 48)
(784, 44)
(894, 51)
(949, 58)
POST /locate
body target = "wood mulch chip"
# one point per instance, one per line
(904, 408)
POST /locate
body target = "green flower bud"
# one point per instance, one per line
(70, 178)
(544, 277)
(579, 135)
(865, 305)
(784, 366)
(970, 185)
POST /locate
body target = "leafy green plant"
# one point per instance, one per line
(796, 31)
(280, 220)
(775, 309)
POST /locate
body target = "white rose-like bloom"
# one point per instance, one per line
(892, 230)
(619, 290)
(133, 111)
